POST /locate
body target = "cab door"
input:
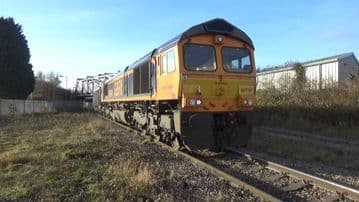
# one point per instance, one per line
(168, 75)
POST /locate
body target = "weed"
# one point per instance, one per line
(66, 157)
(332, 111)
(309, 152)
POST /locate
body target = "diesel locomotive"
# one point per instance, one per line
(195, 91)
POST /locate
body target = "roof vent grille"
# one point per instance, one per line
(218, 26)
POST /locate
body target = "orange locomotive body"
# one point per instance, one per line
(196, 90)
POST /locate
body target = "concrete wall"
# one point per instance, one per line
(20, 107)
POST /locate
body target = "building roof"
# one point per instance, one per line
(334, 57)
(311, 62)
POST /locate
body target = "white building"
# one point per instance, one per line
(319, 73)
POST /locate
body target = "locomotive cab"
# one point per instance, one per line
(217, 78)
(217, 88)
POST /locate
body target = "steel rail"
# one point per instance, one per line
(326, 184)
(233, 181)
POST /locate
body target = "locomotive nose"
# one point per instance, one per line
(213, 94)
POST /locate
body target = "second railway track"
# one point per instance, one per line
(266, 180)
(341, 190)
(283, 182)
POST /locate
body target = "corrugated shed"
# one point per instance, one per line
(320, 73)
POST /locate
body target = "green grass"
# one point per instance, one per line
(66, 157)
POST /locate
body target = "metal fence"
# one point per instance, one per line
(20, 107)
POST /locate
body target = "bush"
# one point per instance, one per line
(335, 106)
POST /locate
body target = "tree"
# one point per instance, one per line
(16, 76)
(300, 79)
(47, 87)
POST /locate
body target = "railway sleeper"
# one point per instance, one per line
(295, 186)
(274, 177)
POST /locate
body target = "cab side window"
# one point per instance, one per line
(171, 61)
(168, 61)
(164, 64)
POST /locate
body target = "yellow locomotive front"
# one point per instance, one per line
(218, 74)
(217, 87)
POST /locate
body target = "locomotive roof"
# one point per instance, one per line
(214, 26)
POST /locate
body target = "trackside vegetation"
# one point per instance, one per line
(301, 106)
(304, 151)
(66, 157)
(82, 157)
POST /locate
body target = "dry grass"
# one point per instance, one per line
(309, 152)
(133, 178)
(66, 157)
(333, 111)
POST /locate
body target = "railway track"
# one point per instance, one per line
(285, 183)
(279, 183)
(335, 143)
(234, 181)
(301, 180)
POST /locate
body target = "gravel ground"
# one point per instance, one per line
(256, 175)
(174, 178)
(186, 178)
(340, 175)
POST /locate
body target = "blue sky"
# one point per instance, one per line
(86, 37)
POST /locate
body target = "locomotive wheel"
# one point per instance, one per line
(157, 137)
(175, 143)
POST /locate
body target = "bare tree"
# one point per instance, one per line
(47, 87)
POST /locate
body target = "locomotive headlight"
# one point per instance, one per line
(248, 102)
(192, 102)
(219, 39)
(195, 102)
